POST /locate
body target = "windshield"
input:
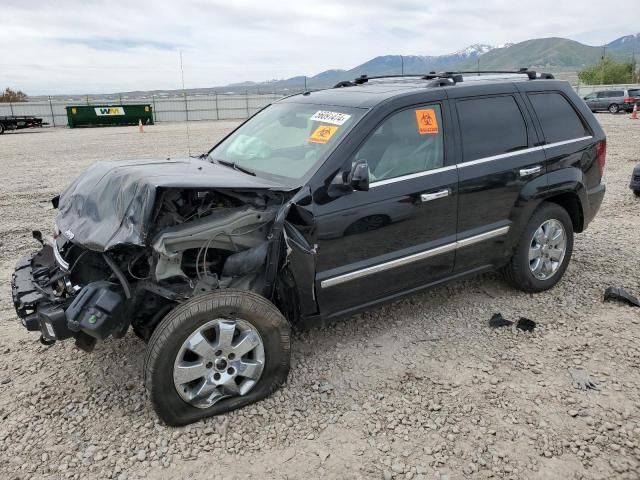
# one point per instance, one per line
(286, 139)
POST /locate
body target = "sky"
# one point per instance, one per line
(90, 46)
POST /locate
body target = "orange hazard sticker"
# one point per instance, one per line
(322, 134)
(427, 121)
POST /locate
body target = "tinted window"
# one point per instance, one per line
(616, 93)
(603, 94)
(558, 118)
(407, 142)
(634, 93)
(491, 126)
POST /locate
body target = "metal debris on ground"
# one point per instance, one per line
(582, 380)
(619, 293)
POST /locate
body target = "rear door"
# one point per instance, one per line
(499, 156)
(401, 233)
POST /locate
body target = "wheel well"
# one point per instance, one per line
(571, 203)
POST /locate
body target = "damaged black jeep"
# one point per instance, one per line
(321, 205)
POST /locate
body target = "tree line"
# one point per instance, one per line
(10, 95)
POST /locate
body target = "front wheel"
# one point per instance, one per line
(1, 128)
(215, 353)
(543, 251)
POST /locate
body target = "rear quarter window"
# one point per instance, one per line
(557, 117)
(491, 126)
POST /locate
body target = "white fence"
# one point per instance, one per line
(165, 109)
(179, 108)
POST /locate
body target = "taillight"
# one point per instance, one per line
(601, 155)
(630, 100)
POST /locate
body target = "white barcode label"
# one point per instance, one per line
(335, 118)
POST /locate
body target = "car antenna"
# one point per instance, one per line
(186, 106)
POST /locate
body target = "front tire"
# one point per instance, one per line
(543, 251)
(215, 353)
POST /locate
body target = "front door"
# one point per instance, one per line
(401, 233)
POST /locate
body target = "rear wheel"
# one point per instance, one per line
(614, 108)
(1, 128)
(543, 251)
(215, 353)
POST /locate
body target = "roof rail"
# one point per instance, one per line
(446, 78)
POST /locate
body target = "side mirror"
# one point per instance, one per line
(358, 177)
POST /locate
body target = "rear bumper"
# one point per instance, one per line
(594, 200)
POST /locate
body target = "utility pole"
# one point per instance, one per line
(478, 65)
(604, 50)
(305, 83)
(402, 64)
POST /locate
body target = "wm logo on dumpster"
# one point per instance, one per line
(102, 111)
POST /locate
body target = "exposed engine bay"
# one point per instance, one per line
(110, 268)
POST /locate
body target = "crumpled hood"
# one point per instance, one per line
(111, 203)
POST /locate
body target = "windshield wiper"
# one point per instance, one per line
(236, 167)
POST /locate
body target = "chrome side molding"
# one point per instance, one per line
(398, 262)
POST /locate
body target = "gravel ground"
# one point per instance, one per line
(421, 388)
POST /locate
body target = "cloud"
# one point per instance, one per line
(118, 44)
(80, 46)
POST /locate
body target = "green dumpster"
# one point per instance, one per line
(107, 115)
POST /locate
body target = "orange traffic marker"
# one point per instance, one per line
(634, 114)
(140, 126)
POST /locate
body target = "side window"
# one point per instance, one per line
(603, 94)
(409, 141)
(490, 126)
(557, 117)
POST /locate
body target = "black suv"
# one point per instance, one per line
(319, 206)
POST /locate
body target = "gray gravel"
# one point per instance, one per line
(419, 389)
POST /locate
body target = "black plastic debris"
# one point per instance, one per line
(497, 320)
(619, 293)
(526, 324)
(582, 380)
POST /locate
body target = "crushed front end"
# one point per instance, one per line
(133, 240)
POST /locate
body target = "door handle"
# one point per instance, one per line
(525, 172)
(427, 197)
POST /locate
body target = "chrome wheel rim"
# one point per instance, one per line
(547, 249)
(223, 358)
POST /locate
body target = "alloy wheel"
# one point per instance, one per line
(547, 249)
(222, 358)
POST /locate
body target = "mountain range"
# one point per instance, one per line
(551, 54)
(560, 56)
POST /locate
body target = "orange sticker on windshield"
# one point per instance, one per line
(427, 121)
(322, 134)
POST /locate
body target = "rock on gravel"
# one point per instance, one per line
(420, 389)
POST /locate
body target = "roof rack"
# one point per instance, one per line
(446, 78)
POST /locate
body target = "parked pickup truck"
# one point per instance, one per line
(14, 122)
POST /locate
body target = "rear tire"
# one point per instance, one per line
(1, 128)
(614, 108)
(165, 353)
(523, 270)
